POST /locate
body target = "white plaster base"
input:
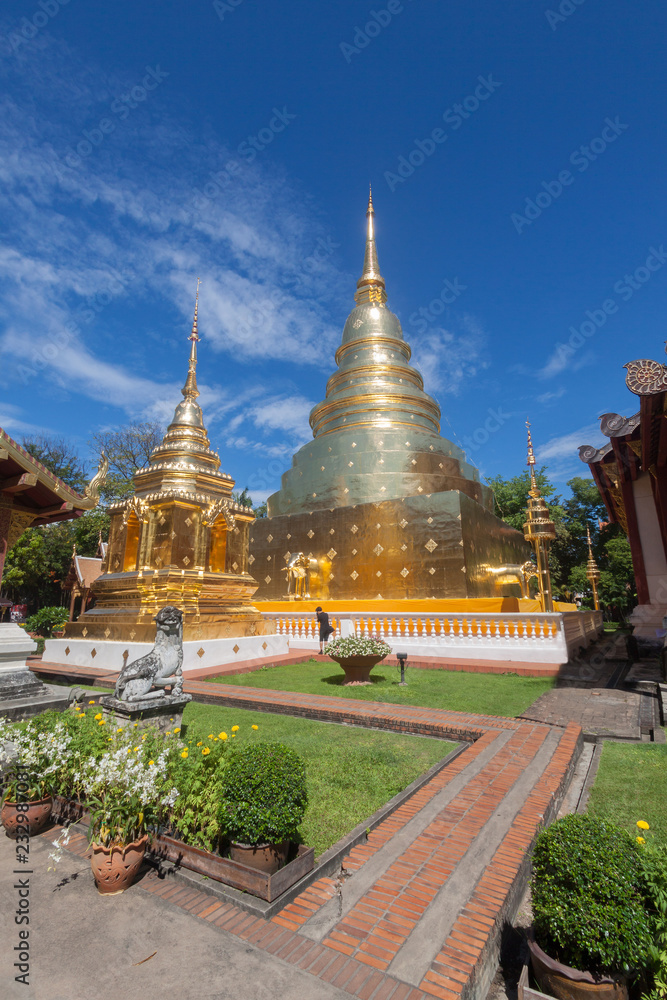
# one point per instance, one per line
(109, 655)
(15, 646)
(553, 653)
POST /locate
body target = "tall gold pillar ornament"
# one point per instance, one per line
(592, 571)
(539, 530)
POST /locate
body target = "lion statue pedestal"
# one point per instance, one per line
(141, 689)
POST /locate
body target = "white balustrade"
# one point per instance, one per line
(506, 637)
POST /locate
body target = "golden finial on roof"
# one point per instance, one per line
(592, 571)
(370, 287)
(534, 490)
(190, 390)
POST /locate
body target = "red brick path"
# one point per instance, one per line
(357, 952)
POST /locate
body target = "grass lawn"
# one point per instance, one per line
(487, 694)
(351, 772)
(631, 784)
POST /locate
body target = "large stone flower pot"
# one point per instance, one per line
(564, 983)
(115, 868)
(358, 668)
(25, 818)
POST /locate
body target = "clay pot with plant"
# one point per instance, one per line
(264, 800)
(592, 930)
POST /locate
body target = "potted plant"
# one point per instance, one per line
(125, 796)
(592, 932)
(357, 657)
(31, 757)
(264, 799)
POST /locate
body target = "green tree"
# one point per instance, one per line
(59, 457)
(128, 448)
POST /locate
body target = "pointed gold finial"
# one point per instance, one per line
(534, 491)
(370, 287)
(592, 571)
(190, 390)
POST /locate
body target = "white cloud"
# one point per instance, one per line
(561, 454)
(446, 358)
(549, 397)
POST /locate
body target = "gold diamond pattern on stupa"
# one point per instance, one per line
(430, 545)
(107, 633)
(251, 560)
(378, 549)
(67, 651)
(310, 532)
(84, 632)
(404, 572)
(200, 652)
(431, 571)
(331, 553)
(236, 647)
(267, 579)
(93, 652)
(269, 538)
(354, 574)
(403, 523)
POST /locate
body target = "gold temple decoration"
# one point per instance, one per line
(539, 530)
(180, 539)
(592, 571)
(370, 287)
(407, 511)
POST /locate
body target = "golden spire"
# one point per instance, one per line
(534, 490)
(190, 390)
(370, 287)
(592, 571)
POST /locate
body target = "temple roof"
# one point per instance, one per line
(184, 463)
(31, 488)
(376, 433)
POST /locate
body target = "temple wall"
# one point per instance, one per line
(429, 546)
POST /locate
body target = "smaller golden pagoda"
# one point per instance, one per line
(179, 540)
(592, 571)
(539, 530)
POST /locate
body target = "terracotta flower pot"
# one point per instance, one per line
(115, 868)
(264, 857)
(564, 983)
(358, 668)
(15, 817)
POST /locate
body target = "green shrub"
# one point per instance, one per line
(265, 797)
(44, 621)
(589, 895)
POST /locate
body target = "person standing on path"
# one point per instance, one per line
(325, 628)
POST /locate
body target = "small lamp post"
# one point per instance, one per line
(402, 657)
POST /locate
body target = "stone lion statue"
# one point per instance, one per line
(148, 676)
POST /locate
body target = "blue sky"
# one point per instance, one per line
(516, 153)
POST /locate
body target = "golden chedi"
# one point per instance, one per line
(179, 540)
(378, 504)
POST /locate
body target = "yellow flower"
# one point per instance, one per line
(235, 729)
(144, 736)
(120, 729)
(210, 736)
(171, 720)
(643, 825)
(184, 754)
(136, 724)
(206, 750)
(200, 743)
(640, 840)
(109, 739)
(177, 730)
(254, 727)
(222, 736)
(102, 722)
(98, 716)
(168, 733)
(151, 762)
(92, 701)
